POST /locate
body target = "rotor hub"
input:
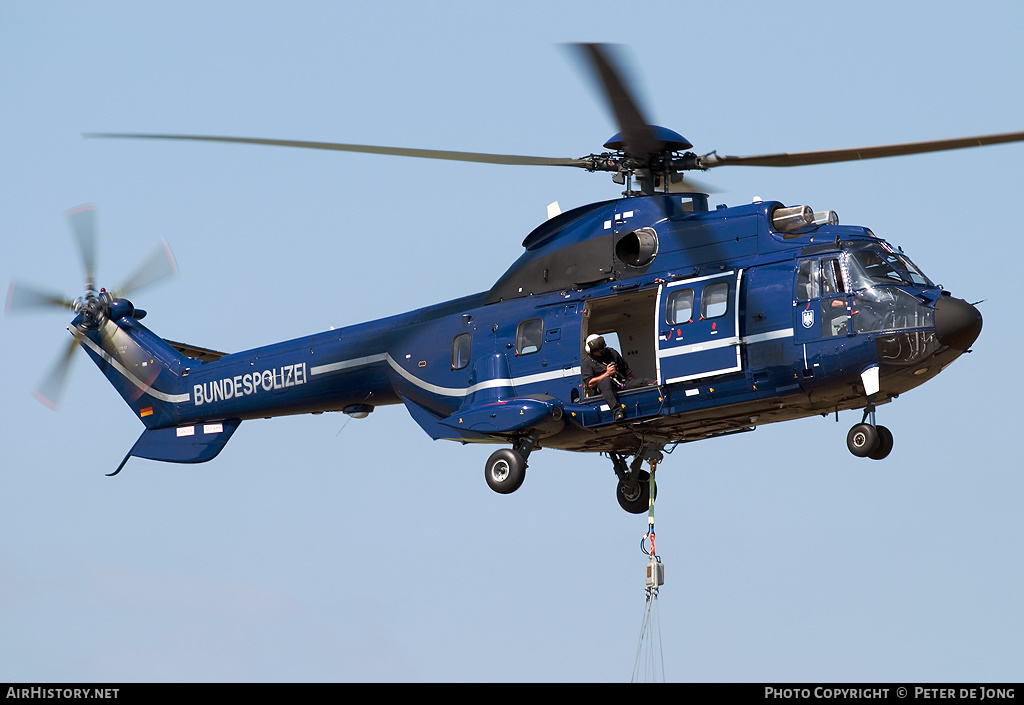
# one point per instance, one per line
(666, 139)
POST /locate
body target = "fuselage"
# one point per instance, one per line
(740, 323)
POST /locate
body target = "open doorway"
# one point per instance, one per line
(626, 321)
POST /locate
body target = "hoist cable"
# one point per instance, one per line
(657, 625)
(650, 646)
(643, 632)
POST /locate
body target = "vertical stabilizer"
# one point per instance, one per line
(141, 366)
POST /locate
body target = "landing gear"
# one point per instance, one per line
(505, 471)
(506, 468)
(633, 490)
(865, 440)
(884, 444)
(862, 440)
(635, 497)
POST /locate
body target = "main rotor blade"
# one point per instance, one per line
(480, 157)
(829, 156)
(160, 264)
(83, 225)
(50, 391)
(22, 297)
(639, 140)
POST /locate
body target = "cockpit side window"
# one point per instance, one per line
(832, 277)
(807, 280)
(837, 271)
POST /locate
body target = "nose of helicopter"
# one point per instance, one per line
(957, 323)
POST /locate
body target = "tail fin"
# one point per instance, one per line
(142, 367)
(147, 372)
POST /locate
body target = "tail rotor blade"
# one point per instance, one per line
(23, 297)
(83, 225)
(159, 265)
(50, 391)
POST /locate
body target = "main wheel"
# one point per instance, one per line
(884, 444)
(505, 471)
(635, 497)
(862, 440)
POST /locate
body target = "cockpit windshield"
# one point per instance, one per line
(874, 267)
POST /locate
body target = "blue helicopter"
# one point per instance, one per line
(726, 320)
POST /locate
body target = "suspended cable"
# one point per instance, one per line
(649, 647)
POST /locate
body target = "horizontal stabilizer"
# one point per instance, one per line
(184, 444)
(195, 352)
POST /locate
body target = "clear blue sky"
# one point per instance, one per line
(305, 552)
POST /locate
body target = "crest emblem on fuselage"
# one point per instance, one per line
(808, 318)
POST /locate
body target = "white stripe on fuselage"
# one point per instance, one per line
(427, 386)
(435, 388)
(506, 381)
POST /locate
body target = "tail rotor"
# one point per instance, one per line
(93, 309)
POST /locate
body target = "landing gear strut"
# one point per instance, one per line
(866, 440)
(506, 468)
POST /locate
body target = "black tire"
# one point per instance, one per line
(505, 471)
(636, 498)
(862, 440)
(884, 444)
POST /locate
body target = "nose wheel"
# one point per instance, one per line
(866, 440)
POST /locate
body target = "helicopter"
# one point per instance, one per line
(739, 316)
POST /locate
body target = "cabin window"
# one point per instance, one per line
(461, 347)
(679, 307)
(529, 336)
(714, 300)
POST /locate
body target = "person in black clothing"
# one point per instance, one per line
(604, 369)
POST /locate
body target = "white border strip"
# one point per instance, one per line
(697, 347)
(699, 375)
(770, 335)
